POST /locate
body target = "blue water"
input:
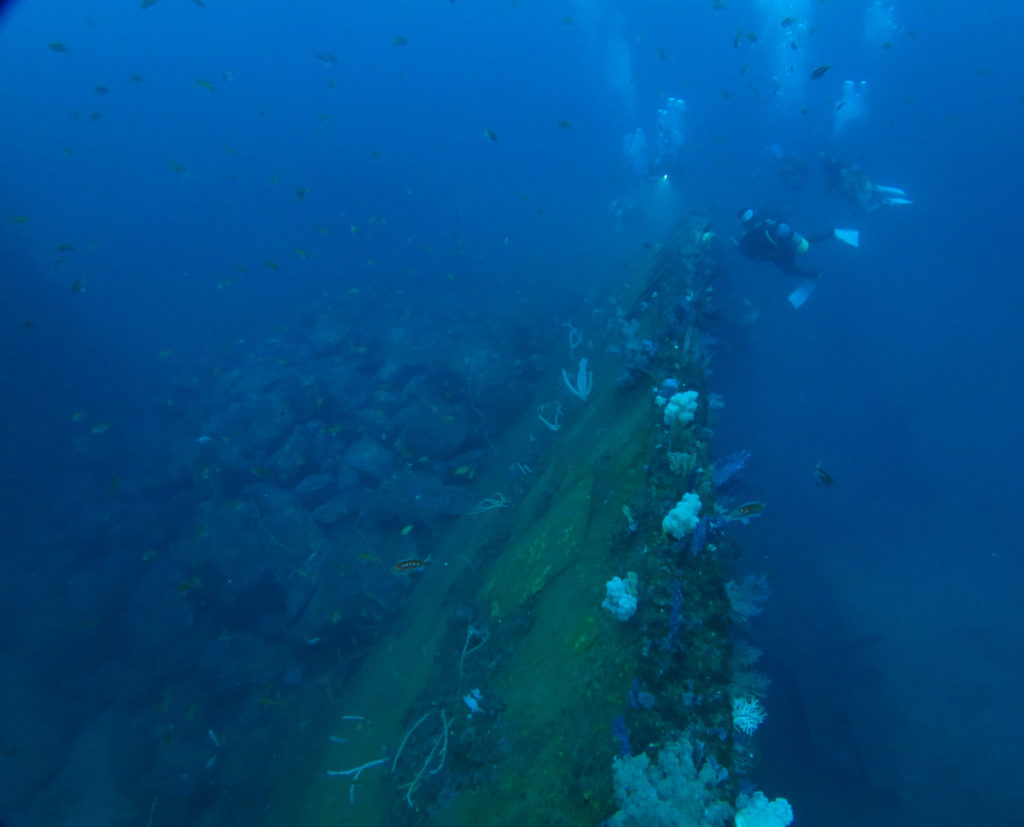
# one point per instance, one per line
(456, 192)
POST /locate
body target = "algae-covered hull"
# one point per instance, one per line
(506, 690)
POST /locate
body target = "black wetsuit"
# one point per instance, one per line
(763, 242)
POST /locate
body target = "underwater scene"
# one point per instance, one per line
(511, 412)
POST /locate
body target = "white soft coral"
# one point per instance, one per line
(681, 408)
(682, 519)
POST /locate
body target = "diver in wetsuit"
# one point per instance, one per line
(850, 181)
(768, 239)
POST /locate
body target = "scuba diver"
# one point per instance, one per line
(769, 239)
(850, 181)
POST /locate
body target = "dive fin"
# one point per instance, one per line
(888, 190)
(896, 201)
(802, 294)
(851, 237)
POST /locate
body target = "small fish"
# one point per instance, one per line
(205, 84)
(177, 169)
(77, 416)
(750, 37)
(78, 286)
(101, 90)
(407, 530)
(65, 248)
(743, 513)
(820, 71)
(410, 566)
(564, 124)
(661, 53)
(135, 78)
(326, 59)
(100, 427)
(55, 46)
(273, 265)
(786, 22)
(18, 219)
(401, 40)
(189, 585)
(301, 253)
(718, 5)
(821, 476)
(145, 4)
(491, 135)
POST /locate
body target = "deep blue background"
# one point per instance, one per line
(894, 631)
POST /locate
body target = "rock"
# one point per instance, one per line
(371, 459)
(346, 388)
(332, 510)
(436, 431)
(327, 335)
(312, 484)
(251, 427)
(289, 459)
